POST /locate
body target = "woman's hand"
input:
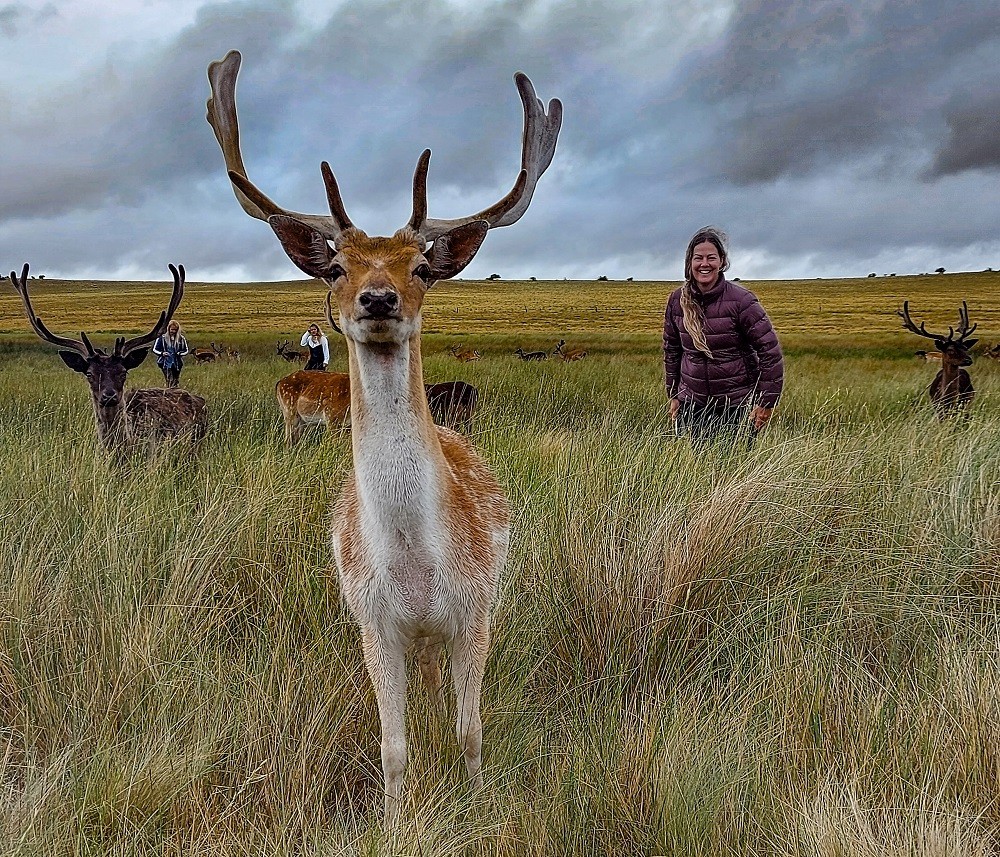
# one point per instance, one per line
(675, 406)
(759, 416)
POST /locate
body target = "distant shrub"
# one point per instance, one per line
(532, 279)
(871, 275)
(939, 270)
(628, 279)
(602, 278)
(494, 276)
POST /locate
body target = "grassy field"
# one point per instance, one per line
(793, 652)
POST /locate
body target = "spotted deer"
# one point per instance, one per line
(126, 418)
(951, 391)
(568, 354)
(421, 529)
(465, 355)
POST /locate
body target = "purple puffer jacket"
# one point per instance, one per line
(746, 364)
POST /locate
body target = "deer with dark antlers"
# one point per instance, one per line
(951, 391)
(421, 529)
(126, 418)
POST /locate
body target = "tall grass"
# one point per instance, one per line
(792, 651)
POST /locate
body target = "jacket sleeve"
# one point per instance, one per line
(671, 352)
(158, 345)
(326, 350)
(305, 339)
(183, 347)
(760, 335)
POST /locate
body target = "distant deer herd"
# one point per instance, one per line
(421, 529)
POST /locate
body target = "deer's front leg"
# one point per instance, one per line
(384, 658)
(468, 665)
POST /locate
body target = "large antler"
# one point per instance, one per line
(123, 347)
(920, 331)
(81, 346)
(964, 331)
(538, 145)
(222, 117)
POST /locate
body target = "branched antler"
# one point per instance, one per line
(964, 331)
(83, 345)
(538, 144)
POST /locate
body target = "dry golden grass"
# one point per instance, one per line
(801, 309)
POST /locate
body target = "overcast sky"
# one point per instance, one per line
(827, 138)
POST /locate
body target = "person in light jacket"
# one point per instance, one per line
(319, 348)
(722, 360)
(170, 348)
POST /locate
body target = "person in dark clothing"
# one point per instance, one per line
(722, 360)
(170, 348)
(319, 348)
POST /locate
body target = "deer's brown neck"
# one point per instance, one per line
(111, 422)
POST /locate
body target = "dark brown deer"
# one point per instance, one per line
(290, 354)
(125, 419)
(951, 391)
(452, 403)
(421, 530)
(530, 355)
(993, 352)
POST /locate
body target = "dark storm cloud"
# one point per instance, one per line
(802, 86)
(799, 127)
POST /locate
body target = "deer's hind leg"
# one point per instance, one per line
(428, 654)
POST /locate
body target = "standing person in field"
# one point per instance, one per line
(319, 348)
(723, 363)
(170, 348)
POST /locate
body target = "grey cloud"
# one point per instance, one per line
(973, 141)
(17, 18)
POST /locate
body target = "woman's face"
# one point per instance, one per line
(314, 331)
(705, 264)
(172, 328)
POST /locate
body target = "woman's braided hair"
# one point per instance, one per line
(694, 313)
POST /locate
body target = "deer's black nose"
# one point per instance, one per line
(379, 304)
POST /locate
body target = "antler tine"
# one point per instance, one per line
(964, 331)
(123, 347)
(222, 117)
(538, 145)
(21, 286)
(329, 313)
(910, 326)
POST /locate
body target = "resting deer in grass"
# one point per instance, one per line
(126, 417)
(421, 530)
(529, 356)
(993, 352)
(569, 354)
(951, 391)
(466, 355)
(205, 355)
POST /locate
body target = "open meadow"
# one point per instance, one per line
(790, 652)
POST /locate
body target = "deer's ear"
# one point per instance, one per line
(306, 247)
(134, 358)
(969, 343)
(76, 361)
(452, 251)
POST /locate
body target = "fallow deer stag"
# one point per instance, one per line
(421, 530)
(290, 354)
(125, 418)
(568, 354)
(206, 355)
(951, 391)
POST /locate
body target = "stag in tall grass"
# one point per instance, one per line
(421, 530)
(126, 419)
(951, 391)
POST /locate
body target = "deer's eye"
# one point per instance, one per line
(423, 271)
(336, 272)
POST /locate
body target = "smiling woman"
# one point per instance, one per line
(723, 364)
